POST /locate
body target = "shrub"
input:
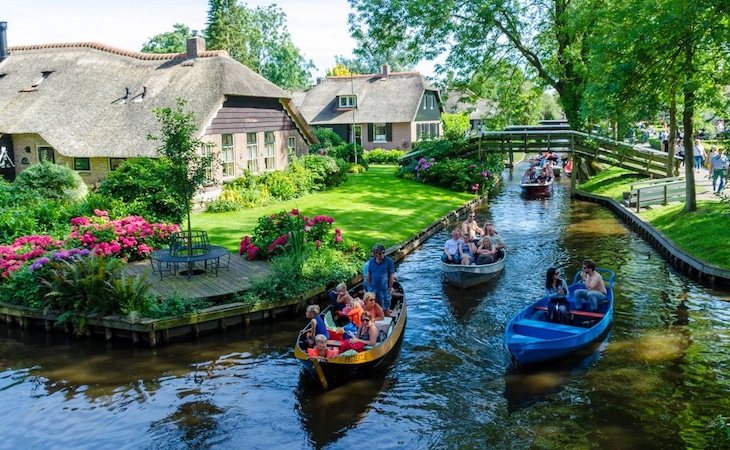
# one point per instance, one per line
(456, 174)
(347, 152)
(322, 169)
(280, 185)
(380, 156)
(143, 184)
(455, 125)
(356, 168)
(52, 181)
(229, 200)
(303, 179)
(129, 293)
(327, 138)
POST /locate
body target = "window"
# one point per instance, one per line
(431, 101)
(114, 163)
(207, 150)
(82, 164)
(228, 155)
(379, 132)
(252, 145)
(45, 153)
(269, 152)
(292, 146)
(434, 132)
(347, 101)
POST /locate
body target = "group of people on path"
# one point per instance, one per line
(359, 314)
(472, 244)
(717, 165)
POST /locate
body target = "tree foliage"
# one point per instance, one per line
(455, 125)
(259, 39)
(174, 41)
(549, 37)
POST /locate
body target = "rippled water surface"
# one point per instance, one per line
(660, 378)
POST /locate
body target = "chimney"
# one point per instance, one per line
(196, 45)
(3, 41)
(386, 70)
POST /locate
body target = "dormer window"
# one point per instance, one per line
(347, 101)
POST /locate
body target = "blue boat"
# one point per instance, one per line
(531, 338)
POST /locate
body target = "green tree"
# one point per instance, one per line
(174, 41)
(339, 70)
(183, 152)
(548, 36)
(259, 39)
(455, 125)
(369, 56)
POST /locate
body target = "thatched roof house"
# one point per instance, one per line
(93, 104)
(387, 110)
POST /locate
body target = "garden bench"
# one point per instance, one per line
(655, 192)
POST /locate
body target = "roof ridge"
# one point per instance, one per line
(368, 75)
(117, 51)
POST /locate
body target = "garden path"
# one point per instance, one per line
(237, 277)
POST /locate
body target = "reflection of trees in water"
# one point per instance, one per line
(195, 422)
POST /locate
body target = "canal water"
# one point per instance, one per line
(659, 380)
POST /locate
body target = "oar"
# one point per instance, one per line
(320, 373)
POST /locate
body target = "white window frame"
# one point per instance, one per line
(292, 145)
(347, 101)
(380, 138)
(269, 150)
(228, 156)
(252, 150)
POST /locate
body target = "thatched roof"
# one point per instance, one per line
(465, 102)
(80, 109)
(393, 98)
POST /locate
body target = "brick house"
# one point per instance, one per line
(90, 107)
(389, 110)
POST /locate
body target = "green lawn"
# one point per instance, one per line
(703, 233)
(612, 182)
(371, 207)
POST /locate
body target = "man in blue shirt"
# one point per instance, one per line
(380, 278)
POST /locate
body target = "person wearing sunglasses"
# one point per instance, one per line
(381, 276)
(555, 285)
(367, 334)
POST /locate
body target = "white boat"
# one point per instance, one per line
(472, 275)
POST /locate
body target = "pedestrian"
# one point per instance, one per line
(381, 276)
(664, 137)
(699, 154)
(718, 162)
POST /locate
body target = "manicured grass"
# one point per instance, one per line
(371, 207)
(703, 233)
(612, 182)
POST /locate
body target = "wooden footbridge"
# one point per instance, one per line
(558, 137)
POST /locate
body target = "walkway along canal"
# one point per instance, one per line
(659, 380)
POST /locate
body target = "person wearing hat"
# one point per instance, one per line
(381, 276)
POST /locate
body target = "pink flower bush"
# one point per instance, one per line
(25, 250)
(248, 248)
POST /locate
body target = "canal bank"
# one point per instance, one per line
(219, 318)
(684, 262)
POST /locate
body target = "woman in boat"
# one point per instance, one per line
(555, 286)
(374, 310)
(320, 350)
(485, 252)
(367, 334)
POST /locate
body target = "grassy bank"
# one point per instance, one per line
(702, 233)
(371, 207)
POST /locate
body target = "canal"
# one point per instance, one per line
(659, 380)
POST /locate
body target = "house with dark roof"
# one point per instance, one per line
(90, 106)
(457, 101)
(389, 110)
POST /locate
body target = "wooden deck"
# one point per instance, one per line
(236, 278)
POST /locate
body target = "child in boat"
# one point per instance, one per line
(316, 326)
(320, 350)
(342, 300)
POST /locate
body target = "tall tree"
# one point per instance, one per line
(259, 39)
(174, 41)
(550, 36)
(369, 56)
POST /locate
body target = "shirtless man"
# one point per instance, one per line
(595, 291)
(470, 228)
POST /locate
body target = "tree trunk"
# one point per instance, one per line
(690, 202)
(672, 134)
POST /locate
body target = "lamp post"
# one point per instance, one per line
(352, 92)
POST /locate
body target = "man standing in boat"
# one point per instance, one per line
(470, 228)
(381, 276)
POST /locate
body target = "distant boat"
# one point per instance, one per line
(343, 368)
(530, 338)
(537, 187)
(568, 167)
(472, 275)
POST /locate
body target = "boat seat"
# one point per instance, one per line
(577, 312)
(551, 326)
(384, 324)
